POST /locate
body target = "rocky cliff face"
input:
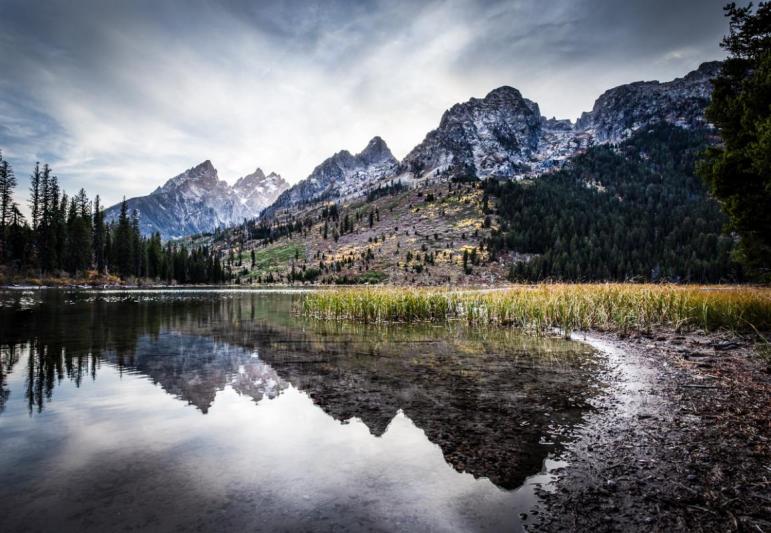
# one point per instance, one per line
(621, 111)
(489, 137)
(197, 201)
(503, 135)
(340, 176)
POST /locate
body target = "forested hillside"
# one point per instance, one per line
(632, 211)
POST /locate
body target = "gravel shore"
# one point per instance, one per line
(680, 441)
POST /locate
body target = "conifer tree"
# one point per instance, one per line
(123, 243)
(99, 235)
(7, 185)
(738, 172)
(35, 196)
(137, 250)
(7, 205)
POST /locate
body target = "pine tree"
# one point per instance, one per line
(7, 205)
(99, 237)
(35, 196)
(79, 234)
(49, 229)
(59, 228)
(138, 253)
(109, 250)
(123, 243)
(7, 185)
(154, 256)
(738, 172)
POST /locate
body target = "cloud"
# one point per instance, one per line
(120, 96)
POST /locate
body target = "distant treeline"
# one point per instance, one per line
(69, 235)
(635, 211)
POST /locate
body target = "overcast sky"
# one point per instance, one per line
(120, 96)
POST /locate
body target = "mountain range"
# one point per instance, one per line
(197, 201)
(501, 136)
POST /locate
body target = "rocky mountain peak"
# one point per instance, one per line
(258, 173)
(376, 151)
(489, 137)
(202, 176)
(341, 175)
(197, 201)
(250, 179)
(258, 184)
(507, 96)
(501, 136)
(206, 166)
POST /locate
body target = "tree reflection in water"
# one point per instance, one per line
(496, 402)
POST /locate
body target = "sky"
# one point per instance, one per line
(120, 96)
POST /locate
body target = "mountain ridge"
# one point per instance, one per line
(340, 175)
(504, 136)
(501, 136)
(197, 201)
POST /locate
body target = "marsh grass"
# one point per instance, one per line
(568, 307)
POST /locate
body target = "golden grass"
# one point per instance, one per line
(568, 307)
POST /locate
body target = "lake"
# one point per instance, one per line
(221, 410)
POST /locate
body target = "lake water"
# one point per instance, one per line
(222, 410)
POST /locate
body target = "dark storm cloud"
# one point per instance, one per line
(119, 96)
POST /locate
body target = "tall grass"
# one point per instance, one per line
(568, 307)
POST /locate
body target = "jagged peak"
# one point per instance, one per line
(504, 97)
(206, 168)
(376, 150)
(204, 171)
(258, 179)
(376, 142)
(206, 165)
(257, 175)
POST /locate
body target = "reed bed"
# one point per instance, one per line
(567, 307)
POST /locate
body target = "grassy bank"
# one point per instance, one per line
(569, 307)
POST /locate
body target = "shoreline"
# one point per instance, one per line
(681, 440)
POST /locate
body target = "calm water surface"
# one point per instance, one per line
(221, 410)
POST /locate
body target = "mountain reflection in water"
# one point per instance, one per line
(496, 404)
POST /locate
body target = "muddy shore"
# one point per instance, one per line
(680, 441)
